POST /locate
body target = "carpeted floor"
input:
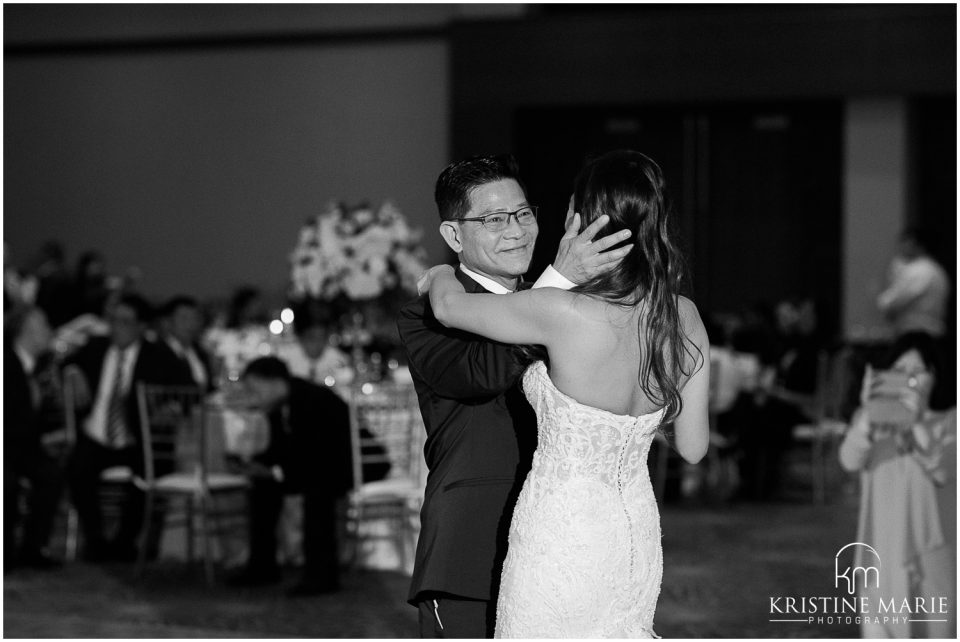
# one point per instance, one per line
(722, 564)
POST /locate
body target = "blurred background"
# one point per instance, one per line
(195, 148)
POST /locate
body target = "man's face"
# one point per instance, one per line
(125, 327)
(505, 255)
(264, 393)
(35, 334)
(185, 324)
(313, 340)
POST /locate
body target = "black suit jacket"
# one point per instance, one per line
(481, 434)
(155, 365)
(21, 418)
(310, 440)
(187, 373)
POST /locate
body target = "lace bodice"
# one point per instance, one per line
(584, 557)
(581, 441)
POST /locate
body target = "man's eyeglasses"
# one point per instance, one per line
(499, 221)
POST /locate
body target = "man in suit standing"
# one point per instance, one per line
(24, 454)
(181, 324)
(105, 373)
(481, 432)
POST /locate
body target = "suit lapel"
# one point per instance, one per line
(469, 284)
(473, 287)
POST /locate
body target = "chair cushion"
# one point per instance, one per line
(826, 428)
(117, 474)
(190, 483)
(388, 490)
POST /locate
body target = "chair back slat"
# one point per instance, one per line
(386, 427)
(172, 420)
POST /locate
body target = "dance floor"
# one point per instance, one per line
(722, 564)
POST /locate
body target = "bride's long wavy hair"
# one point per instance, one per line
(629, 188)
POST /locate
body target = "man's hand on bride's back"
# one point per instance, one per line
(426, 279)
(580, 258)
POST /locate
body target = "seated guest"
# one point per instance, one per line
(311, 356)
(766, 412)
(90, 291)
(24, 455)
(54, 287)
(309, 453)
(247, 308)
(905, 448)
(104, 374)
(181, 325)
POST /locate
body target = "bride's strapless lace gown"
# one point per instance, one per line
(584, 558)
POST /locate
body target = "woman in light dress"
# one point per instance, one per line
(624, 358)
(908, 501)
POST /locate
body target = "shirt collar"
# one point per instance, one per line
(27, 360)
(488, 284)
(127, 355)
(176, 346)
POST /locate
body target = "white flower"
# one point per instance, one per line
(358, 251)
(378, 266)
(363, 217)
(360, 285)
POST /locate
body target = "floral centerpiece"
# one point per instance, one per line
(362, 261)
(237, 347)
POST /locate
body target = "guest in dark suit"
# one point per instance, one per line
(481, 433)
(309, 453)
(105, 373)
(24, 455)
(181, 323)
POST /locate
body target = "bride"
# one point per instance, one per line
(624, 358)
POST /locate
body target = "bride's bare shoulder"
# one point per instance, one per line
(690, 320)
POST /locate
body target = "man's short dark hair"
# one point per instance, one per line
(140, 306)
(455, 183)
(267, 368)
(178, 301)
(921, 237)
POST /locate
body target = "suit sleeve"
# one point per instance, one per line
(455, 364)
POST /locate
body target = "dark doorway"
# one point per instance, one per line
(756, 191)
(553, 143)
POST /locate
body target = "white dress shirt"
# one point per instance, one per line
(917, 297)
(549, 279)
(96, 424)
(27, 360)
(29, 364)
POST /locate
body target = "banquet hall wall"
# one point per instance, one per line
(194, 144)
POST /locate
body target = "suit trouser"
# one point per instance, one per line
(46, 484)
(451, 616)
(320, 559)
(88, 460)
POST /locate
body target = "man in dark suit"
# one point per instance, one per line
(309, 453)
(181, 324)
(481, 432)
(25, 457)
(105, 373)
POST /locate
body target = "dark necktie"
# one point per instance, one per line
(116, 412)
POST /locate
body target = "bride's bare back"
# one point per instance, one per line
(595, 358)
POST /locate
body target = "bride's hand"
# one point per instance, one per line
(426, 280)
(580, 258)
